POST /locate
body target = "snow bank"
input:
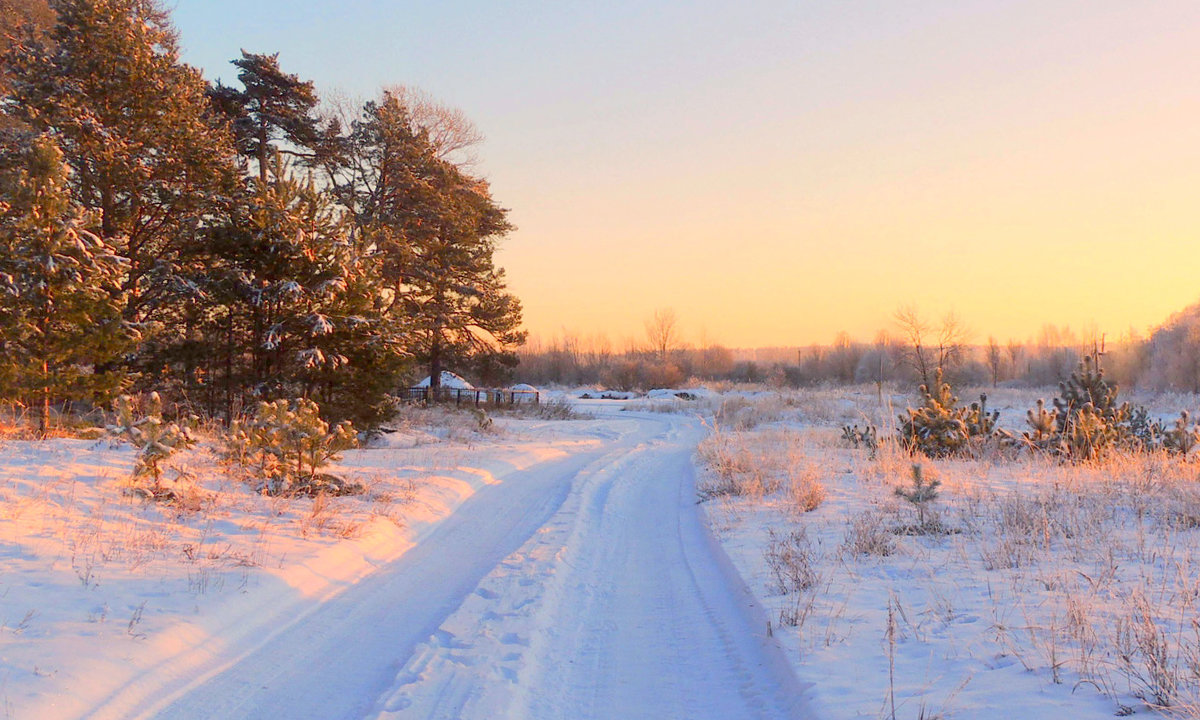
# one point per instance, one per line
(695, 393)
(111, 606)
(449, 380)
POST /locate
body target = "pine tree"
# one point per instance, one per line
(938, 428)
(1087, 386)
(298, 306)
(148, 155)
(271, 106)
(21, 20)
(1089, 419)
(59, 310)
(436, 229)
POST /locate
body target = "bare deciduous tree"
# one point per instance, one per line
(931, 348)
(1015, 350)
(995, 359)
(663, 332)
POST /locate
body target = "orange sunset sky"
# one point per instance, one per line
(776, 172)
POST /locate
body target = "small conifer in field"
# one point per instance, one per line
(920, 492)
(155, 439)
(1180, 439)
(939, 428)
(288, 443)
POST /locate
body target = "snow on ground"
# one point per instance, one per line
(1053, 591)
(109, 605)
(549, 568)
(619, 606)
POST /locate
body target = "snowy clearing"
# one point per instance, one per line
(547, 569)
(558, 569)
(1037, 589)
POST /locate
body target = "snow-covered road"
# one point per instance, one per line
(583, 587)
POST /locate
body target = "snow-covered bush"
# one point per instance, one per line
(940, 428)
(155, 439)
(287, 444)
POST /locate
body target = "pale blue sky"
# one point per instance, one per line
(815, 157)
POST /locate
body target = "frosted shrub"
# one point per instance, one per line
(743, 465)
(287, 444)
(868, 534)
(155, 439)
(805, 489)
(792, 561)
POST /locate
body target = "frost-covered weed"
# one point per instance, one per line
(868, 533)
(754, 465)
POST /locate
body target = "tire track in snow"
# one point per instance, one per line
(334, 659)
(622, 606)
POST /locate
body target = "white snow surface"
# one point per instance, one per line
(552, 569)
(449, 380)
(560, 570)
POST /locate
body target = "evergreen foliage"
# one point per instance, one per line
(435, 229)
(155, 439)
(1180, 439)
(980, 422)
(1088, 421)
(1087, 386)
(939, 428)
(287, 443)
(153, 237)
(59, 314)
(134, 123)
(920, 493)
(272, 105)
(1043, 427)
(298, 309)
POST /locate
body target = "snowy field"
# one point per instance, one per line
(563, 568)
(1050, 590)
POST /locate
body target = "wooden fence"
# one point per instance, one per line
(476, 397)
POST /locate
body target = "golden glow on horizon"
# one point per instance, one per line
(778, 172)
(1054, 196)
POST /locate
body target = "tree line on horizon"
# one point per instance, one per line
(904, 356)
(228, 244)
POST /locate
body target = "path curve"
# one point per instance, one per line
(587, 587)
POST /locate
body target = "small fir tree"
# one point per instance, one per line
(288, 443)
(920, 493)
(1182, 437)
(60, 318)
(938, 428)
(1088, 419)
(156, 440)
(1043, 427)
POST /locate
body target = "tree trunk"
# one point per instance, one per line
(44, 411)
(435, 361)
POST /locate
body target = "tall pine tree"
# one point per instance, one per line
(272, 106)
(59, 312)
(148, 156)
(436, 229)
